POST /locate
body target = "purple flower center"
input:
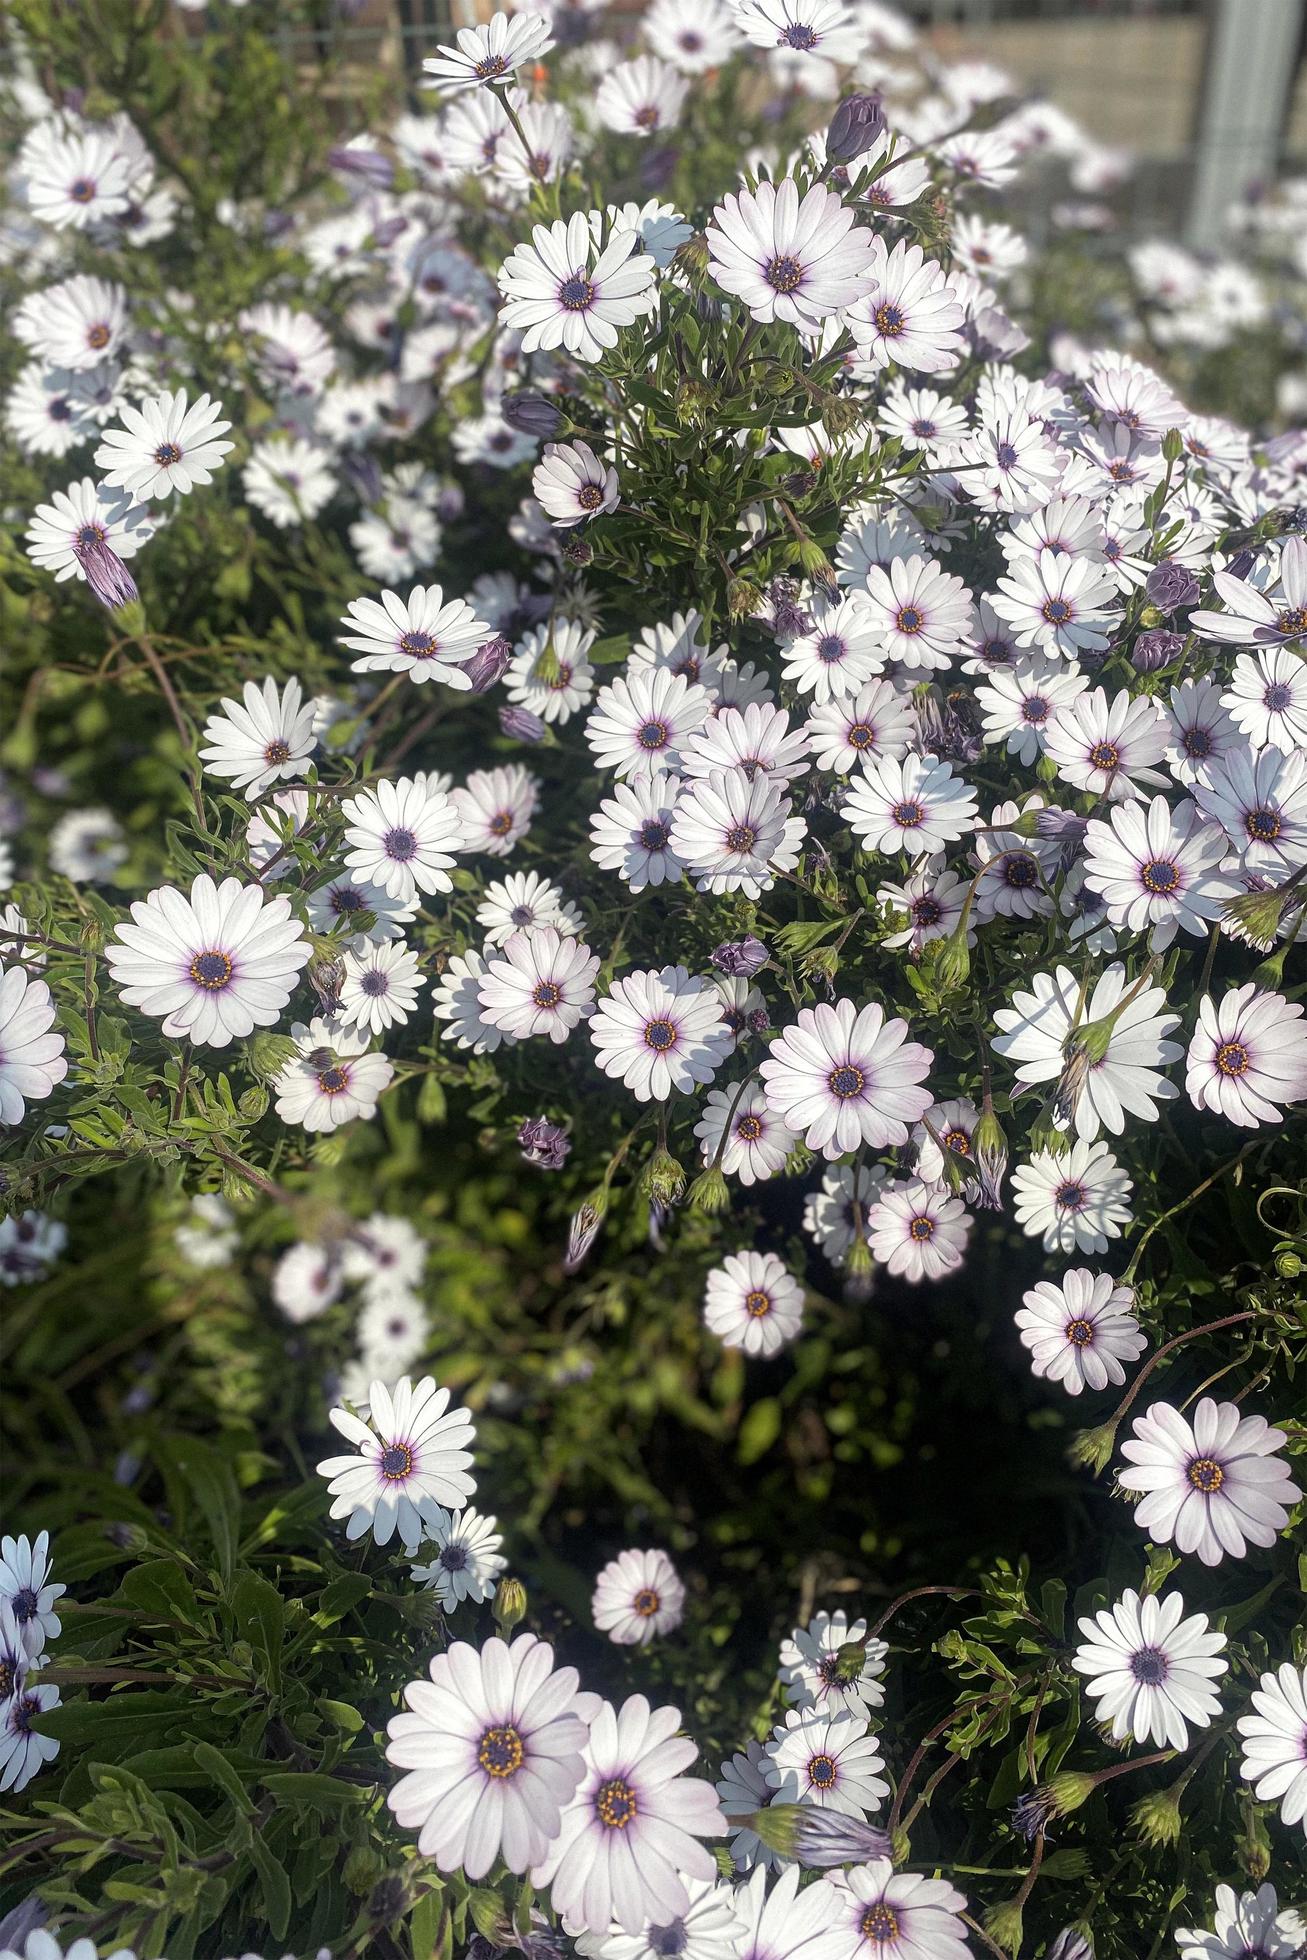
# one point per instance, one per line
(401, 845)
(889, 319)
(82, 190)
(417, 645)
(615, 1803)
(921, 1229)
(910, 619)
(1020, 871)
(1080, 1333)
(1159, 876)
(1232, 1059)
(798, 35)
(211, 970)
(784, 274)
(167, 454)
(660, 1035)
(576, 294)
(1105, 755)
(654, 835)
(396, 1462)
(1262, 825)
(1205, 1475)
(1070, 1196)
(846, 1081)
(908, 815)
(546, 993)
(1278, 696)
(1149, 1666)
(1006, 456)
(652, 735)
(501, 1751)
(374, 983)
(1056, 611)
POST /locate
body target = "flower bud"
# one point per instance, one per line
(1005, 1924)
(521, 724)
(989, 1153)
(1157, 1817)
(854, 128)
(90, 936)
(691, 256)
(488, 663)
(1253, 1846)
(544, 1143)
(1172, 586)
(1069, 1789)
(740, 958)
(1172, 446)
(1091, 1449)
(1156, 649)
(583, 1231)
(1072, 1943)
(105, 572)
(533, 414)
(510, 1605)
(710, 1192)
(663, 1179)
(953, 959)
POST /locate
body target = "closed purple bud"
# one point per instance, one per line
(823, 1840)
(1155, 649)
(1241, 564)
(520, 724)
(488, 663)
(757, 1020)
(532, 414)
(26, 1918)
(104, 571)
(854, 127)
(370, 165)
(544, 1143)
(451, 502)
(1171, 586)
(1068, 826)
(1072, 1943)
(581, 1235)
(740, 957)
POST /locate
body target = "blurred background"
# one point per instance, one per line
(1206, 99)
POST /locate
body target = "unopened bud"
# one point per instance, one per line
(1072, 1943)
(854, 128)
(740, 958)
(989, 1154)
(1091, 1449)
(1172, 586)
(533, 414)
(710, 1192)
(663, 1179)
(1069, 1789)
(1157, 1817)
(90, 936)
(1172, 446)
(510, 1604)
(1005, 1924)
(583, 1231)
(488, 663)
(691, 255)
(521, 724)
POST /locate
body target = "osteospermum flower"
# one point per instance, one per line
(735, 834)
(424, 636)
(458, 1003)
(289, 480)
(1248, 1056)
(1075, 1199)
(1108, 747)
(164, 446)
(1151, 1671)
(638, 97)
(1019, 702)
(932, 900)
(493, 1745)
(380, 985)
(756, 1143)
(1247, 1926)
(331, 1079)
(889, 1915)
(1201, 730)
(1260, 802)
(466, 1561)
(815, 1672)
(1080, 1330)
(489, 52)
(789, 257)
(1267, 696)
(32, 1058)
(640, 720)
(843, 1076)
(823, 29)
(550, 674)
(1064, 606)
(917, 1232)
(694, 35)
(911, 803)
(495, 808)
(561, 290)
(637, 1596)
(659, 1030)
(910, 316)
(82, 520)
(827, 1758)
(841, 651)
(921, 613)
(1274, 1758)
(540, 982)
(752, 741)
(628, 1840)
(1213, 1486)
(1253, 617)
(410, 1465)
(524, 902)
(573, 485)
(750, 1301)
(211, 967)
(73, 177)
(26, 1590)
(851, 730)
(1153, 866)
(709, 1929)
(402, 836)
(76, 324)
(1123, 1047)
(24, 1751)
(261, 739)
(631, 831)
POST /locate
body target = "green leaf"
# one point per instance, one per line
(260, 1619)
(212, 1483)
(274, 1885)
(310, 1790)
(759, 1430)
(215, 1765)
(340, 1596)
(160, 1591)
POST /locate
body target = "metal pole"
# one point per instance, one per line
(1252, 51)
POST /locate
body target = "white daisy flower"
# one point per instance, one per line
(392, 1332)
(337, 906)
(1267, 696)
(495, 808)
(734, 834)
(742, 1789)
(84, 519)
(827, 1759)
(380, 985)
(694, 35)
(275, 824)
(640, 720)
(1150, 1671)
(410, 1466)
(867, 541)
(1274, 1758)
(573, 485)
(32, 1058)
(493, 1745)
(921, 613)
(923, 419)
(835, 1215)
(840, 654)
(208, 1237)
(306, 1280)
(24, 1752)
(1009, 464)
(550, 140)
(1064, 605)
(932, 900)
(638, 97)
(1161, 868)
(403, 836)
(292, 352)
(550, 674)
(26, 1590)
(918, 1232)
(662, 229)
(757, 1141)
(1260, 802)
(756, 740)
(458, 1002)
(1038, 1034)
(1108, 747)
(1248, 1056)
(912, 803)
(561, 290)
(77, 324)
(384, 1254)
(710, 1928)
(424, 636)
(1248, 1926)
(1018, 703)
(524, 901)
(1253, 617)
(489, 52)
(752, 1302)
(262, 739)
(790, 257)
(29, 1245)
(814, 1676)
(676, 645)
(73, 178)
(211, 967)
(332, 1079)
(1202, 733)
(1016, 873)
(489, 439)
(843, 1076)
(660, 1030)
(896, 1915)
(49, 411)
(1076, 1199)
(638, 1596)
(632, 1794)
(164, 446)
(289, 480)
(1212, 1487)
(1080, 1330)
(467, 1561)
(910, 318)
(540, 983)
(852, 730)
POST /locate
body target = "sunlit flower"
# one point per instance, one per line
(410, 1465)
(1274, 1758)
(843, 1076)
(752, 1302)
(1212, 1486)
(1080, 1330)
(1150, 1671)
(211, 967)
(638, 1596)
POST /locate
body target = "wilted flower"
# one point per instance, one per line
(544, 1143)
